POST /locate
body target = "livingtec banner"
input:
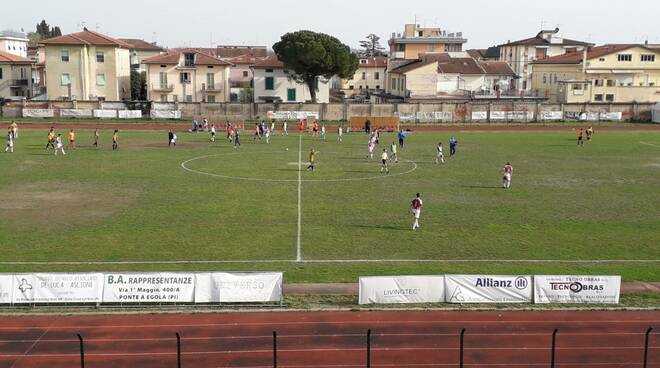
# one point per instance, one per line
(488, 289)
(577, 289)
(157, 287)
(402, 289)
(6, 282)
(55, 288)
(238, 287)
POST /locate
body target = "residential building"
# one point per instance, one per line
(416, 40)
(272, 84)
(489, 54)
(450, 75)
(15, 76)
(609, 73)
(241, 76)
(369, 77)
(87, 66)
(14, 43)
(187, 75)
(547, 43)
(140, 50)
(37, 54)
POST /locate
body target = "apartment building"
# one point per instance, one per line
(272, 84)
(369, 77)
(15, 76)
(141, 50)
(416, 40)
(14, 43)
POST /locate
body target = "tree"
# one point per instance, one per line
(371, 46)
(138, 86)
(43, 29)
(55, 32)
(308, 55)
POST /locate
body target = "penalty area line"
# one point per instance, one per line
(298, 243)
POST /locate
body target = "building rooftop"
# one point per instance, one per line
(141, 45)
(373, 62)
(13, 34)
(460, 64)
(86, 37)
(6, 57)
(271, 62)
(540, 40)
(174, 56)
(592, 53)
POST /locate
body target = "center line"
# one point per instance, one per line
(298, 247)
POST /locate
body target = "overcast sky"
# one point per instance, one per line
(261, 22)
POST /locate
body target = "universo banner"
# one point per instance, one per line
(53, 288)
(488, 289)
(162, 287)
(402, 289)
(236, 287)
(577, 289)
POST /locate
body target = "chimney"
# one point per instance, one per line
(584, 63)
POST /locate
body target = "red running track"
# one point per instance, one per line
(332, 339)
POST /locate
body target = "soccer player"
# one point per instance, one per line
(508, 172)
(452, 146)
(96, 137)
(72, 139)
(206, 124)
(285, 128)
(10, 140)
(14, 129)
(384, 158)
(580, 137)
(51, 138)
(257, 133)
(171, 139)
(340, 134)
(115, 139)
(590, 132)
(237, 138)
(59, 146)
(312, 160)
(395, 155)
(212, 132)
(230, 132)
(267, 135)
(272, 126)
(323, 131)
(416, 208)
(371, 147)
(440, 157)
(402, 137)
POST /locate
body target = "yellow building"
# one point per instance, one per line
(87, 66)
(187, 75)
(416, 40)
(369, 77)
(611, 73)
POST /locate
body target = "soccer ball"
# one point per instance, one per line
(287, 149)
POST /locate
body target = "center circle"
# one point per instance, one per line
(286, 164)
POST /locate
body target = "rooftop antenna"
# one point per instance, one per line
(97, 27)
(82, 25)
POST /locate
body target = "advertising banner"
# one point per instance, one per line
(402, 289)
(105, 114)
(129, 114)
(76, 113)
(479, 115)
(434, 116)
(611, 116)
(511, 115)
(57, 288)
(225, 287)
(488, 289)
(165, 114)
(552, 115)
(113, 106)
(6, 288)
(38, 113)
(292, 115)
(589, 116)
(161, 287)
(577, 289)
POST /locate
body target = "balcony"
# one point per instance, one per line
(19, 83)
(167, 88)
(398, 55)
(212, 88)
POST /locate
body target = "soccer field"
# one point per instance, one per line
(208, 206)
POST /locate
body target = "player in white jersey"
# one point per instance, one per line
(440, 157)
(371, 147)
(416, 208)
(323, 132)
(212, 132)
(267, 134)
(340, 134)
(10, 141)
(285, 127)
(508, 172)
(384, 159)
(59, 146)
(272, 127)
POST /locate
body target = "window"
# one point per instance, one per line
(610, 82)
(163, 66)
(598, 97)
(360, 86)
(351, 87)
(555, 78)
(163, 98)
(364, 75)
(189, 98)
(577, 86)
(377, 75)
(210, 67)
(210, 99)
(64, 54)
(601, 59)
(316, 83)
(245, 74)
(66, 79)
(100, 79)
(210, 81)
(649, 58)
(270, 83)
(524, 85)
(175, 98)
(100, 57)
(545, 80)
(624, 57)
(363, 61)
(185, 78)
(609, 98)
(163, 80)
(394, 83)
(189, 60)
(598, 82)
(0, 73)
(269, 70)
(291, 94)
(377, 87)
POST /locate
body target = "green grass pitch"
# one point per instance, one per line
(240, 206)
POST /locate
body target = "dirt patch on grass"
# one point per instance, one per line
(57, 204)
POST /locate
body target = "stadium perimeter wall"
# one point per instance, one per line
(437, 112)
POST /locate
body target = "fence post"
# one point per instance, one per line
(274, 349)
(646, 347)
(554, 348)
(462, 347)
(178, 350)
(82, 352)
(369, 348)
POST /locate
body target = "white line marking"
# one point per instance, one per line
(650, 144)
(298, 245)
(25, 354)
(322, 261)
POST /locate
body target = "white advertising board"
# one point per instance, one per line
(511, 115)
(76, 113)
(161, 287)
(292, 115)
(129, 114)
(434, 116)
(57, 288)
(238, 287)
(406, 116)
(479, 115)
(552, 115)
(611, 116)
(105, 114)
(488, 289)
(6, 288)
(113, 106)
(38, 113)
(577, 289)
(402, 289)
(165, 114)
(589, 116)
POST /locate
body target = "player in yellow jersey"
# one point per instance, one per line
(115, 139)
(312, 160)
(51, 138)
